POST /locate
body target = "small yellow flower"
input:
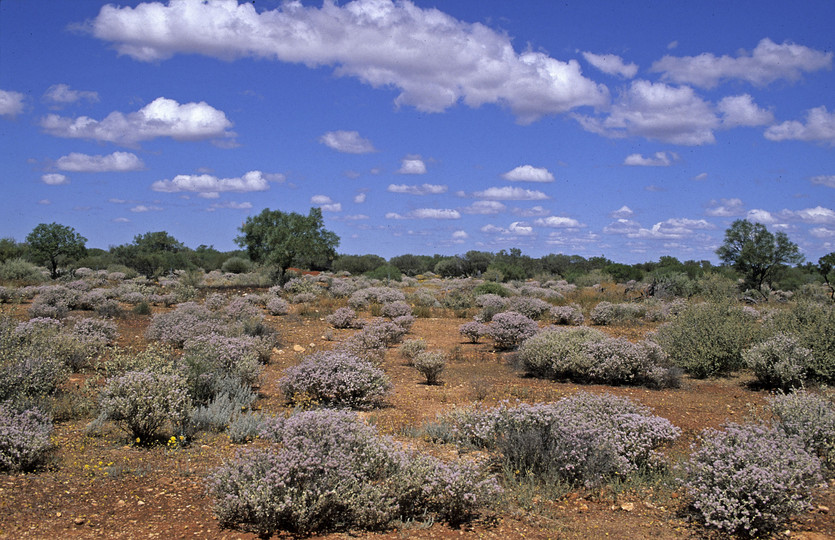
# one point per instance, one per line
(137, 440)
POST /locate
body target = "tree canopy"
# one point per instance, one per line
(756, 253)
(54, 245)
(286, 239)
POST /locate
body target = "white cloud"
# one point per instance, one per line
(492, 229)
(611, 64)
(427, 213)
(359, 198)
(758, 215)
(44, 201)
(725, 208)
(571, 240)
(768, 62)
(559, 222)
(460, 235)
(701, 176)
(622, 212)
(62, 94)
(320, 199)
(161, 118)
(528, 173)
(742, 111)
(142, 208)
(670, 229)
(11, 103)
(120, 220)
(484, 208)
(533, 211)
(55, 179)
(822, 232)
(824, 180)
(231, 205)
(659, 159)
(326, 203)
(519, 228)
(819, 214)
(508, 193)
(433, 59)
(208, 184)
(424, 189)
(115, 162)
(412, 165)
(657, 111)
(819, 126)
(348, 142)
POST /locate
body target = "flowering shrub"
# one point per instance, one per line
(707, 339)
(430, 364)
(337, 379)
(810, 418)
(388, 332)
(606, 313)
(143, 402)
(509, 329)
(748, 479)
(814, 326)
(619, 361)
(344, 317)
(210, 360)
(396, 309)
(30, 379)
(96, 331)
(303, 298)
(533, 308)
(186, 321)
(582, 439)
(301, 285)
(779, 362)
(559, 353)
(405, 322)
(278, 306)
(474, 330)
(411, 348)
(24, 438)
(491, 304)
(571, 315)
(90, 300)
(332, 472)
(381, 295)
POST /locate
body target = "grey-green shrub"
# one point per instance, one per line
(814, 327)
(24, 438)
(708, 339)
(606, 313)
(430, 364)
(559, 353)
(810, 418)
(142, 403)
(411, 348)
(779, 362)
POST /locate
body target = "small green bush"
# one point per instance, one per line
(491, 287)
(430, 364)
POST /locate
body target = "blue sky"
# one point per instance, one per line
(626, 129)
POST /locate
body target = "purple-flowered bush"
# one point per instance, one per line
(24, 438)
(509, 329)
(571, 315)
(329, 471)
(343, 317)
(779, 362)
(749, 479)
(396, 309)
(810, 418)
(336, 379)
(474, 330)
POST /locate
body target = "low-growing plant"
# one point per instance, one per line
(813, 325)
(336, 379)
(509, 329)
(533, 308)
(607, 313)
(779, 362)
(810, 418)
(396, 309)
(278, 306)
(430, 364)
(142, 403)
(491, 304)
(344, 317)
(571, 315)
(24, 438)
(474, 330)
(749, 479)
(559, 353)
(411, 348)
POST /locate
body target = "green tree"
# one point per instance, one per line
(54, 245)
(756, 253)
(287, 239)
(154, 253)
(826, 266)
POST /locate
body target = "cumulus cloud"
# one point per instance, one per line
(819, 126)
(11, 103)
(611, 64)
(742, 111)
(622, 212)
(348, 142)
(208, 185)
(767, 63)
(520, 229)
(559, 222)
(669, 229)
(433, 59)
(427, 213)
(61, 94)
(659, 159)
(508, 193)
(528, 173)
(326, 203)
(657, 111)
(816, 215)
(533, 211)
(115, 162)
(758, 215)
(230, 205)
(824, 180)
(459, 236)
(55, 179)
(359, 198)
(424, 189)
(161, 118)
(822, 232)
(484, 208)
(725, 208)
(412, 165)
